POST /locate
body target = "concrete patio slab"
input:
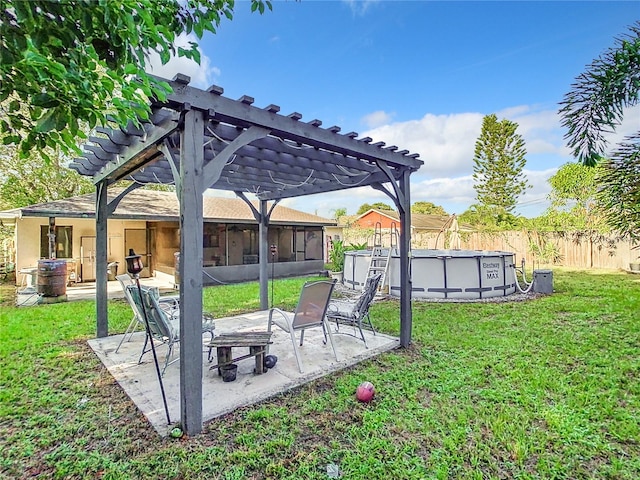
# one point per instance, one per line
(218, 397)
(87, 291)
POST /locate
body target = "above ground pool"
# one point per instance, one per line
(464, 274)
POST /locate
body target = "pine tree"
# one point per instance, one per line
(499, 160)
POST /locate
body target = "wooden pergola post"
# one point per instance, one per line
(263, 231)
(191, 229)
(404, 207)
(102, 213)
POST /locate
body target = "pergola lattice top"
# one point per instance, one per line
(276, 157)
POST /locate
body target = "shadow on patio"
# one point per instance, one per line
(141, 385)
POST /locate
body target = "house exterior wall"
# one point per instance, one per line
(236, 245)
(370, 219)
(27, 239)
(333, 232)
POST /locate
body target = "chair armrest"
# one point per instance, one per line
(340, 307)
(208, 324)
(169, 303)
(283, 319)
(273, 310)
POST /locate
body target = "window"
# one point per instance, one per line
(64, 242)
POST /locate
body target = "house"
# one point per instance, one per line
(147, 221)
(361, 228)
(391, 219)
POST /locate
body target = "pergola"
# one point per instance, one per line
(199, 139)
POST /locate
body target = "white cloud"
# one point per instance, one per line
(540, 129)
(445, 142)
(458, 190)
(360, 7)
(540, 188)
(202, 76)
(446, 145)
(325, 204)
(378, 118)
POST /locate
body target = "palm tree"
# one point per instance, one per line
(595, 106)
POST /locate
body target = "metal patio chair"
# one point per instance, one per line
(167, 303)
(356, 314)
(310, 313)
(164, 324)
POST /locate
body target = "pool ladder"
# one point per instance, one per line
(379, 260)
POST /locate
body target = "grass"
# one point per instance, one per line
(546, 388)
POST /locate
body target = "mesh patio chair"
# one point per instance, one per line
(356, 314)
(125, 280)
(310, 313)
(164, 324)
(167, 303)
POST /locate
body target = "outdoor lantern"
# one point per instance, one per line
(274, 249)
(134, 262)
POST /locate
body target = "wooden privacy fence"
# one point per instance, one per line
(537, 248)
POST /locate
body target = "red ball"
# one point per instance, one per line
(365, 392)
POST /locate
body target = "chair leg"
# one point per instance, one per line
(331, 340)
(209, 355)
(144, 348)
(266, 352)
(129, 331)
(324, 332)
(166, 360)
(359, 325)
(296, 350)
(370, 324)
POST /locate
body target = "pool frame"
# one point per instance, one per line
(449, 274)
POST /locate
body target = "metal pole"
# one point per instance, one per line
(274, 249)
(153, 348)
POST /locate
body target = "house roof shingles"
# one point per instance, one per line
(158, 205)
(419, 221)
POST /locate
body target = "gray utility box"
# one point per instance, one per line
(543, 281)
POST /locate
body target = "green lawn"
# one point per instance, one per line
(546, 388)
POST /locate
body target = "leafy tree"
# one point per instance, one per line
(499, 160)
(339, 212)
(378, 206)
(428, 208)
(573, 198)
(75, 62)
(595, 106)
(31, 180)
(573, 185)
(336, 255)
(488, 218)
(381, 206)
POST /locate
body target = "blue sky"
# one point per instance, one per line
(420, 75)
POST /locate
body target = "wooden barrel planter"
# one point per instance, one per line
(52, 278)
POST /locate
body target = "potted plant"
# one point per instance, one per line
(336, 259)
